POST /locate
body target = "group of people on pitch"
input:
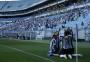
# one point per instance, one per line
(61, 44)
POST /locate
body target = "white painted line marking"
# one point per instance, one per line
(24, 52)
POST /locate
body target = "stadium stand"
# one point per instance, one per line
(48, 22)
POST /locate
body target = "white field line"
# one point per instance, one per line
(27, 53)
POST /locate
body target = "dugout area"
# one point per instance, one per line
(12, 50)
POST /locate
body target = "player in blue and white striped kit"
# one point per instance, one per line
(54, 45)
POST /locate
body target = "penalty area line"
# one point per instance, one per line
(27, 53)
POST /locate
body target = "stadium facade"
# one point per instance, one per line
(42, 19)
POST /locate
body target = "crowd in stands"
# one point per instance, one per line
(46, 22)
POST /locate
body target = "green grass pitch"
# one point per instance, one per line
(12, 50)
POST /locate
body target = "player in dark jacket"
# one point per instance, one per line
(67, 44)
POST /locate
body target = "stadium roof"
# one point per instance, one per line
(18, 5)
(31, 7)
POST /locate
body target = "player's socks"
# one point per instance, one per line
(63, 56)
(70, 56)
